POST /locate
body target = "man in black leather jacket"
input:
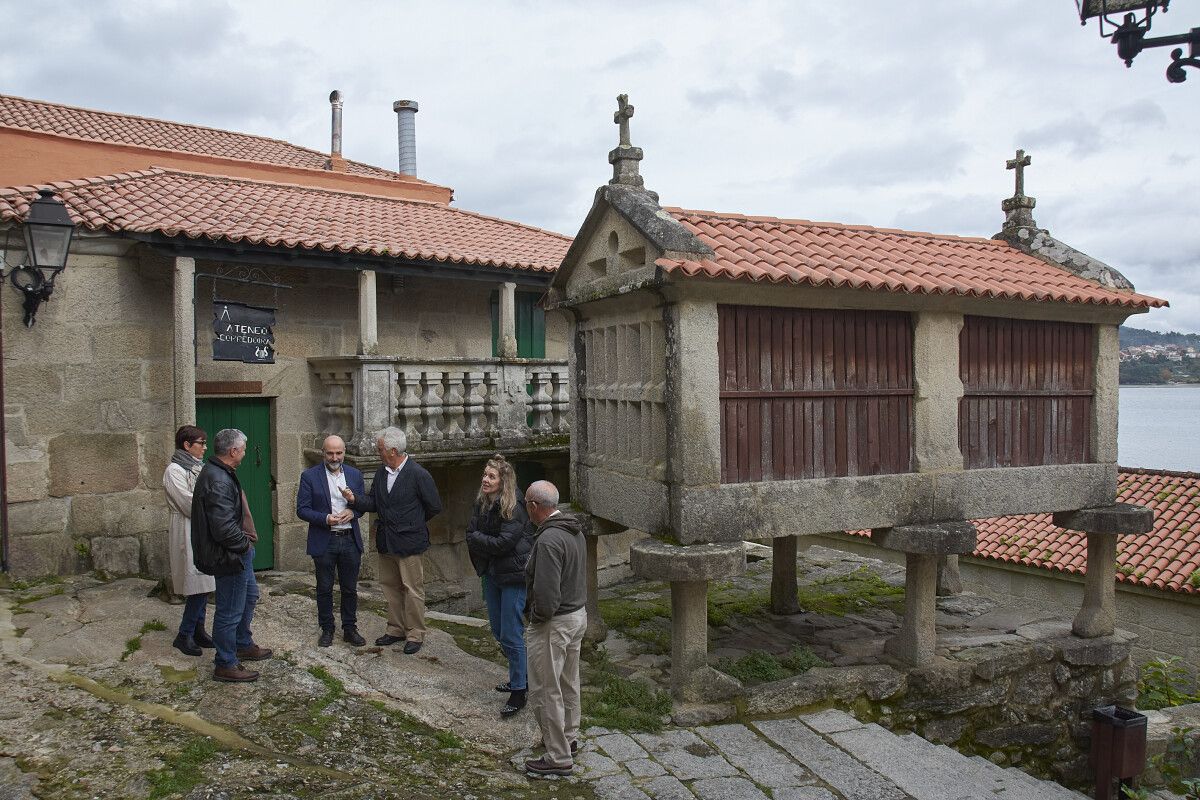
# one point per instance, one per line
(223, 547)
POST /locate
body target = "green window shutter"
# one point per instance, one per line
(531, 325)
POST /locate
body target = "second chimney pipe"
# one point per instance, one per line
(406, 122)
(335, 100)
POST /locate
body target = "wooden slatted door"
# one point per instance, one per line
(809, 393)
(251, 416)
(1028, 387)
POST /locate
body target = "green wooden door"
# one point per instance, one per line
(251, 416)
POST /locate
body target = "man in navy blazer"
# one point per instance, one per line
(334, 540)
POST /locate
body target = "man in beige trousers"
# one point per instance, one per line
(555, 580)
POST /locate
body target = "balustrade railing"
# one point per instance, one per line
(446, 405)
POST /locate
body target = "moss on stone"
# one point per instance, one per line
(182, 771)
(846, 594)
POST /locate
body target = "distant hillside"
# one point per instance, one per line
(1136, 337)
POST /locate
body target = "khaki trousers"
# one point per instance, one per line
(403, 582)
(553, 652)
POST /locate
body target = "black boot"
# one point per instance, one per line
(186, 645)
(516, 701)
(202, 639)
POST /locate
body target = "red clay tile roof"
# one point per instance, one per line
(861, 257)
(1167, 558)
(106, 126)
(224, 209)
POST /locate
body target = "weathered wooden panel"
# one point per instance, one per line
(810, 393)
(1027, 392)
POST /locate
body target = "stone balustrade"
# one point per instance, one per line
(452, 405)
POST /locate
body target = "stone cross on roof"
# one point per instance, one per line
(625, 157)
(621, 117)
(1019, 164)
(1018, 209)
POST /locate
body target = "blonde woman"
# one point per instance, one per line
(499, 539)
(179, 480)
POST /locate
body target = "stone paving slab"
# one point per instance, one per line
(667, 788)
(620, 746)
(619, 787)
(888, 755)
(727, 789)
(805, 793)
(685, 755)
(831, 721)
(752, 754)
(829, 763)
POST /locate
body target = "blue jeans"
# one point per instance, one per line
(341, 558)
(193, 614)
(505, 604)
(236, 597)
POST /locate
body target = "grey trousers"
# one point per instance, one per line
(552, 649)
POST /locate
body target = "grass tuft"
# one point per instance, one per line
(759, 667)
(182, 772)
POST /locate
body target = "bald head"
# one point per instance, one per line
(541, 500)
(333, 449)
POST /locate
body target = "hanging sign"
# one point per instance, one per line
(243, 333)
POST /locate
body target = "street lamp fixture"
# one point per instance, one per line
(48, 232)
(1130, 34)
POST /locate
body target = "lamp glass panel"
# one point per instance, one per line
(48, 244)
(1096, 8)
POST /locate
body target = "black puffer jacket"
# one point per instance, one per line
(218, 540)
(500, 547)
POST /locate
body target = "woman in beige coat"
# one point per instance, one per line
(179, 480)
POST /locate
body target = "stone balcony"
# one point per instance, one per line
(449, 408)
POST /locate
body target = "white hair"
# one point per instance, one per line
(393, 439)
(228, 439)
(544, 493)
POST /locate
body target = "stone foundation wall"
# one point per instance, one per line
(1023, 698)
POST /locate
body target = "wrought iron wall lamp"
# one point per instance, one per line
(48, 231)
(1130, 34)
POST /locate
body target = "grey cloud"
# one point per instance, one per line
(963, 215)
(642, 56)
(1076, 134)
(896, 161)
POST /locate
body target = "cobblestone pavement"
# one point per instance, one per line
(825, 756)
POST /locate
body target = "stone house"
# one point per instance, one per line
(738, 377)
(390, 306)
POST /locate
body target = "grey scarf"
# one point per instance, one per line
(186, 460)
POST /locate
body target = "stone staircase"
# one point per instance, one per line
(824, 756)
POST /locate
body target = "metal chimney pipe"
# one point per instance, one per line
(406, 122)
(335, 100)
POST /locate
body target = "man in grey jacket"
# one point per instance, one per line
(555, 598)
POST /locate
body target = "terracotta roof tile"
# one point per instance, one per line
(199, 206)
(1167, 558)
(107, 126)
(880, 259)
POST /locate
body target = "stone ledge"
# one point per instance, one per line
(935, 538)
(1115, 520)
(655, 560)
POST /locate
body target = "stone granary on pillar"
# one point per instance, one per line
(737, 377)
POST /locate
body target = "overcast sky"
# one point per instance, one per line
(896, 114)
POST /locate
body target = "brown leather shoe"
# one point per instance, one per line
(254, 653)
(235, 674)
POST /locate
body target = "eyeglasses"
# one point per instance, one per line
(201, 441)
